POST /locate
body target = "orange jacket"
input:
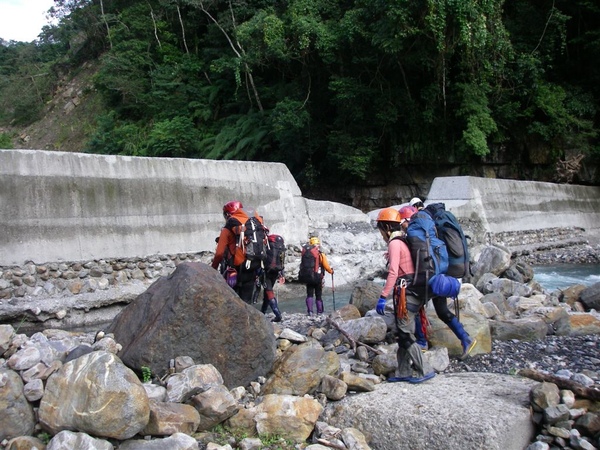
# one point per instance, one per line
(228, 239)
(324, 262)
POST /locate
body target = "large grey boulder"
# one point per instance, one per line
(95, 394)
(300, 369)
(524, 329)
(365, 295)
(194, 312)
(83, 441)
(493, 259)
(461, 411)
(16, 414)
(590, 297)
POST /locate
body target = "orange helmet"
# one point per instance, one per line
(388, 215)
(406, 212)
(232, 207)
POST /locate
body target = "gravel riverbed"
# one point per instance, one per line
(578, 354)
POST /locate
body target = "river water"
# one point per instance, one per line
(551, 278)
(561, 276)
(331, 300)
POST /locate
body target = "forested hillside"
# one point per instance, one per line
(343, 92)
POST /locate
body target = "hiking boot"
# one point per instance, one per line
(275, 308)
(319, 306)
(309, 306)
(467, 342)
(468, 345)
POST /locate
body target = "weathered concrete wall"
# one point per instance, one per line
(507, 205)
(58, 206)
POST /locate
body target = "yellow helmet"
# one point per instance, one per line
(314, 241)
(389, 215)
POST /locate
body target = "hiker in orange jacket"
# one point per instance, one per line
(228, 251)
(314, 282)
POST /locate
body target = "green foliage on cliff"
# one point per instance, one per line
(339, 91)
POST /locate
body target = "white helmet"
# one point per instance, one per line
(414, 201)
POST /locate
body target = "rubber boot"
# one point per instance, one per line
(467, 342)
(419, 335)
(275, 308)
(404, 370)
(319, 306)
(424, 371)
(309, 306)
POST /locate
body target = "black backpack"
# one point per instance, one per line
(310, 265)
(275, 253)
(253, 240)
(450, 231)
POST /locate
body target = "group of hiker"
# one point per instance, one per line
(419, 269)
(251, 258)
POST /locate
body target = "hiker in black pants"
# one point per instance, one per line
(441, 303)
(313, 265)
(269, 279)
(228, 250)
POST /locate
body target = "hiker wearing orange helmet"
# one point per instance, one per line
(406, 212)
(400, 272)
(313, 266)
(227, 251)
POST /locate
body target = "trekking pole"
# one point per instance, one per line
(333, 291)
(456, 309)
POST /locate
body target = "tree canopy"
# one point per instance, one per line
(340, 91)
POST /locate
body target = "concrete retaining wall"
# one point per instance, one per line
(58, 206)
(508, 205)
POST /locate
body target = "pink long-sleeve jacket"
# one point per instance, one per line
(400, 264)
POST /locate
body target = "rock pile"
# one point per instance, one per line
(79, 277)
(59, 383)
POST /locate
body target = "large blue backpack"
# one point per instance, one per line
(429, 253)
(450, 231)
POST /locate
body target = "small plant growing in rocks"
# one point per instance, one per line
(146, 374)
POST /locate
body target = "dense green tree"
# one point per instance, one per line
(341, 91)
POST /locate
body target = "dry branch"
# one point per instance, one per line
(563, 383)
(352, 341)
(330, 444)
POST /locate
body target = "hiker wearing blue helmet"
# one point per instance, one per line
(439, 303)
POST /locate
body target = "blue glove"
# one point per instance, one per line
(381, 306)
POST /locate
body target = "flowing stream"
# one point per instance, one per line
(561, 276)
